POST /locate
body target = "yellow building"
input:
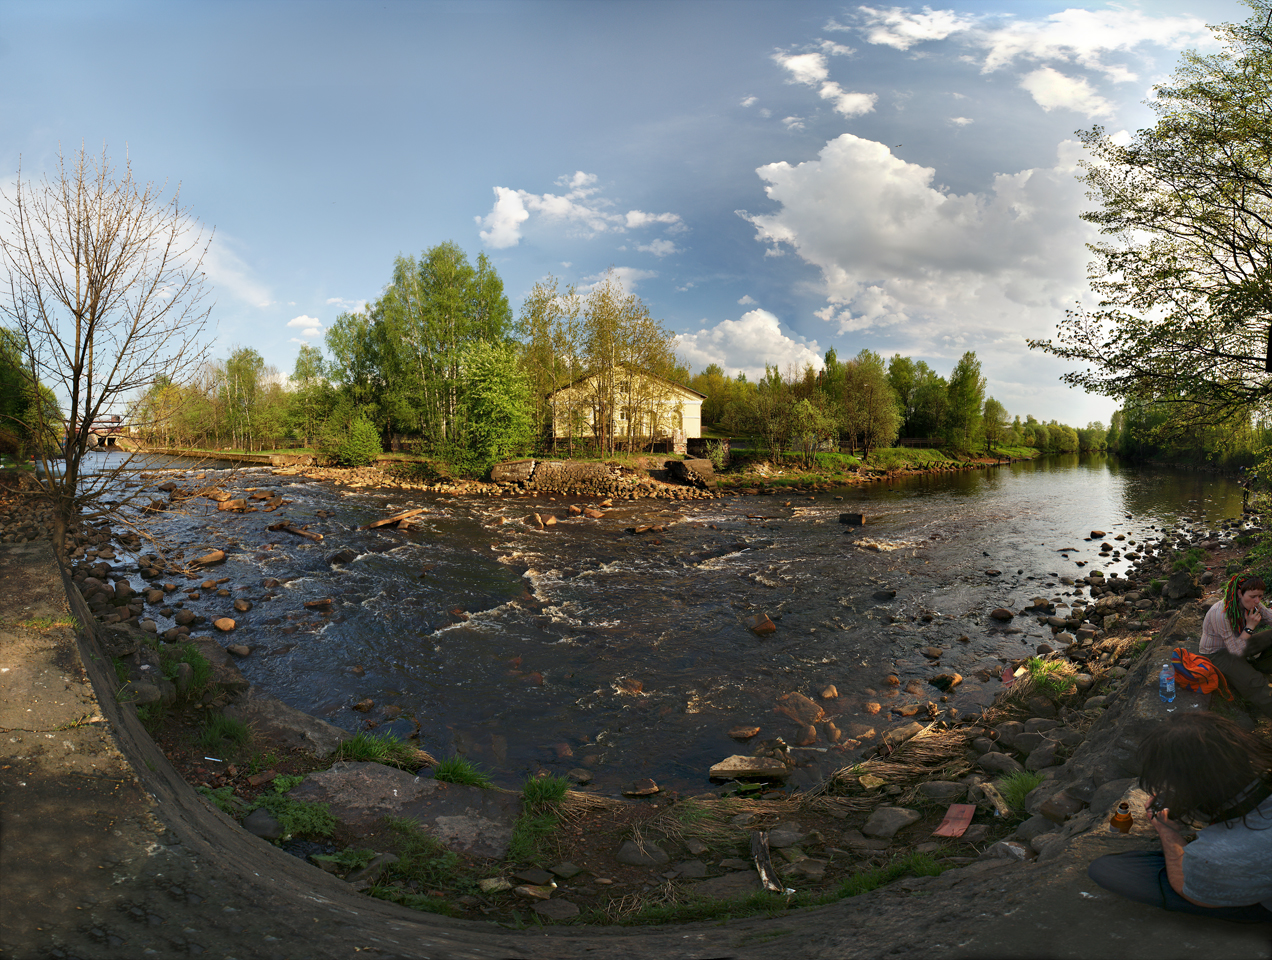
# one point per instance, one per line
(637, 406)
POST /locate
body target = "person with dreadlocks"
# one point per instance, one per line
(1202, 774)
(1230, 640)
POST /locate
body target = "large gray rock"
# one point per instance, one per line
(275, 719)
(1181, 586)
(637, 855)
(886, 821)
(466, 819)
(942, 789)
(999, 763)
(740, 766)
(225, 674)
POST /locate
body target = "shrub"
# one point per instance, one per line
(360, 446)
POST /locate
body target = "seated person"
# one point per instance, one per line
(1202, 767)
(1228, 638)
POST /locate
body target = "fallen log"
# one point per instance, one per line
(389, 521)
(286, 527)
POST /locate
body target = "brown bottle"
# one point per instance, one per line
(1122, 820)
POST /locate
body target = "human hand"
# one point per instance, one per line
(1253, 618)
(1159, 817)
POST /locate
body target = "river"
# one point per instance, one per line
(585, 647)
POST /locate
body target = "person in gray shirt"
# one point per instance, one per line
(1202, 769)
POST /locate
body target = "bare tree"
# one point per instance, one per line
(105, 289)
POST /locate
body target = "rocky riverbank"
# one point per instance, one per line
(613, 859)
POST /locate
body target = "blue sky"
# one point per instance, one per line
(772, 178)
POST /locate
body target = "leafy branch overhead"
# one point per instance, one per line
(1184, 273)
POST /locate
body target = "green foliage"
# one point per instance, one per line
(716, 454)
(1181, 271)
(350, 858)
(1051, 676)
(1190, 561)
(1155, 586)
(379, 748)
(285, 782)
(462, 771)
(1016, 786)
(297, 817)
(540, 816)
(173, 654)
(425, 862)
(220, 731)
(151, 715)
(538, 793)
(830, 462)
(121, 670)
(222, 797)
(360, 446)
(496, 396)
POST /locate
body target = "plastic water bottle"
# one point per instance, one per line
(1166, 683)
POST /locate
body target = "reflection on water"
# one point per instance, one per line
(586, 646)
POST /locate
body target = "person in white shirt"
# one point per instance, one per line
(1231, 639)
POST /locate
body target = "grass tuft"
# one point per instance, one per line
(462, 771)
(541, 799)
(1016, 786)
(221, 731)
(386, 749)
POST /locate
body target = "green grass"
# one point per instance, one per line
(911, 864)
(1051, 676)
(1016, 786)
(540, 801)
(351, 858)
(424, 862)
(764, 902)
(296, 817)
(220, 731)
(385, 748)
(1190, 561)
(121, 669)
(173, 654)
(462, 771)
(48, 623)
(151, 715)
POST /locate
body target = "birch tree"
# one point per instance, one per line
(105, 288)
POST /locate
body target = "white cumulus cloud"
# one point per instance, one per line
(747, 344)
(806, 68)
(579, 206)
(310, 327)
(845, 101)
(629, 277)
(746, 300)
(659, 248)
(1051, 89)
(899, 253)
(901, 29)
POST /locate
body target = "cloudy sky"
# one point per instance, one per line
(774, 179)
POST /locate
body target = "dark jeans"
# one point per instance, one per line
(1140, 875)
(1246, 677)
